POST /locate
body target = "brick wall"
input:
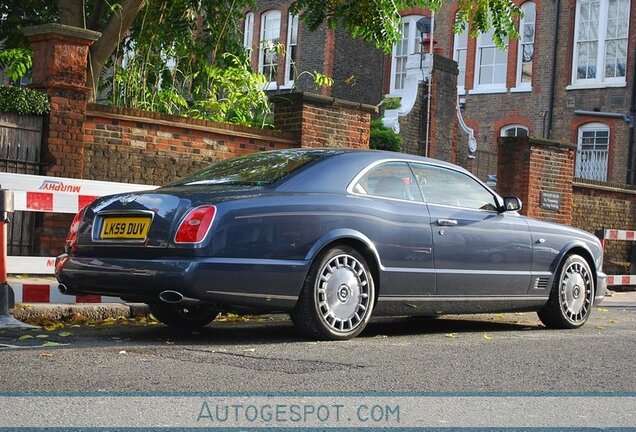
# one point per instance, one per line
(528, 167)
(530, 107)
(443, 131)
(134, 146)
(606, 206)
(413, 125)
(321, 121)
(357, 70)
(443, 117)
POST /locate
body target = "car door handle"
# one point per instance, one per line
(446, 222)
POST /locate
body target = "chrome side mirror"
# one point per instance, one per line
(511, 204)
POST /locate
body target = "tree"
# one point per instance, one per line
(186, 54)
(378, 21)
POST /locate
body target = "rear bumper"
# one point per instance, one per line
(601, 287)
(231, 282)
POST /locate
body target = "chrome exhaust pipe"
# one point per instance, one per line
(175, 297)
(63, 289)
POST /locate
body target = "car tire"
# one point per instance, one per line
(338, 296)
(183, 317)
(572, 295)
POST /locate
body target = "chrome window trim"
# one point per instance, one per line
(363, 172)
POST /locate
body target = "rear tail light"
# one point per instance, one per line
(71, 238)
(195, 225)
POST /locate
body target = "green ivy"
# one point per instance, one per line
(383, 138)
(21, 100)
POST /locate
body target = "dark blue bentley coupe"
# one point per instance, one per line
(331, 236)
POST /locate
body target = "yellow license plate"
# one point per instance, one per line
(125, 228)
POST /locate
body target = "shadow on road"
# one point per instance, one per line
(264, 332)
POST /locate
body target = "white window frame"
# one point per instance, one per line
(292, 41)
(597, 159)
(267, 33)
(248, 33)
(412, 46)
(516, 127)
(599, 80)
(526, 22)
(491, 87)
(457, 51)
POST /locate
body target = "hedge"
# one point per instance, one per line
(22, 100)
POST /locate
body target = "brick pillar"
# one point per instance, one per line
(60, 56)
(443, 117)
(540, 173)
(322, 121)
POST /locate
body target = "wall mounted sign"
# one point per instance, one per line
(550, 201)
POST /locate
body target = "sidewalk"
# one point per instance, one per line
(620, 299)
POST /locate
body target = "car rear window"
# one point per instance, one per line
(256, 169)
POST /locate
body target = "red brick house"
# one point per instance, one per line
(570, 77)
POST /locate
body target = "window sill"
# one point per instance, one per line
(273, 86)
(596, 85)
(477, 91)
(521, 89)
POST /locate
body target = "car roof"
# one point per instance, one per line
(338, 167)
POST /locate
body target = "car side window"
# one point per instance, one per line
(445, 186)
(389, 180)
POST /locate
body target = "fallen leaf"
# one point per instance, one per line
(487, 336)
(450, 335)
(65, 334)
(25, 337)
(249, 350)
(51, 344)
(380, 336)
(599, 328)
(500, 315)
(602, 309)
(612, 321)
(122, 352)
(169, 343)
(42, 336)
(53, 326)
(75, 326)
(45, 354)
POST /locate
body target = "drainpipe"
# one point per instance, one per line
(430, 82)
(631, 164)
(553, 74)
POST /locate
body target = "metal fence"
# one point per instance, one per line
(20, 152)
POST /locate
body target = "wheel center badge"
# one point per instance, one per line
(343, 293)
(576, 292)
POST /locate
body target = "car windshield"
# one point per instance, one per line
(256, 169)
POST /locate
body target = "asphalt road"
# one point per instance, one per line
(483, 353)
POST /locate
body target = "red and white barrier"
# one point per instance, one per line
(612, 234)
(621, 235)
(58, 194)
(54, 195)
(621, 280)
(48, 293)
